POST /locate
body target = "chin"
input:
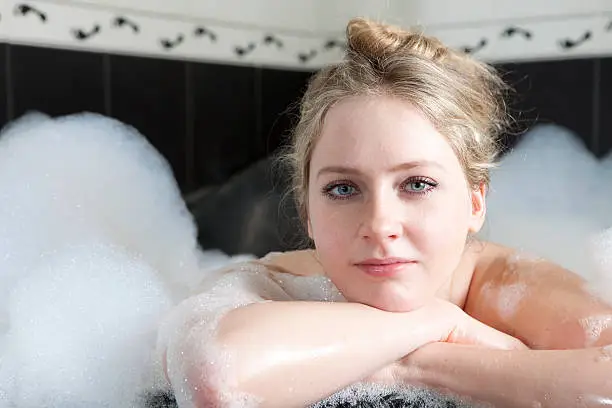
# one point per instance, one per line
(402, 307)
(389, 295)
(398, 304)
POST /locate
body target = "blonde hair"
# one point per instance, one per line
(462, 97)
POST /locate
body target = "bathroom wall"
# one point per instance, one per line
(210, 82)
(307, 34)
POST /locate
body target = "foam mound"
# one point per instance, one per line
(96, 245)
(551, 197)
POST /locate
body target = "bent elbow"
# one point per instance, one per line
(192, 387)
(208, 384)
(187, 385)
(200, 374)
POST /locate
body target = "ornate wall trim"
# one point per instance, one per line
(76, 26)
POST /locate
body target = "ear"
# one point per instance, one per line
(479, 208)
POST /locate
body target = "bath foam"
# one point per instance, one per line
(547, 198)
(603, 200)
(360, 395)
(96, 245)
(506, 299)
(82, 330)
(606, 354)
(550, 169)
(600, 254)
(510, 297)
(86, 175)
(600, 401)
(384, 396)
(594, 326)
(207, 365)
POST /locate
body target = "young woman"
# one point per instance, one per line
(391, 159)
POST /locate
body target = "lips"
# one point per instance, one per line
(384, 267)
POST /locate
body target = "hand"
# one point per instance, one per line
(460, 327)
(457, 327)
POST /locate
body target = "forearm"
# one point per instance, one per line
(543, 378)
(292, 354)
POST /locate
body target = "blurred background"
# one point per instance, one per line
(212, 84)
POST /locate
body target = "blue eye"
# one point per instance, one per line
(342, 190)
(419, 186)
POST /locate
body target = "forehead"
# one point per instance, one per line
(379, 131)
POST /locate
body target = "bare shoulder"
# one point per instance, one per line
(300, 263)
(539, 302)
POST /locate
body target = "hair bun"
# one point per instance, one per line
(374, 40)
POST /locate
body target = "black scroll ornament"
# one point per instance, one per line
(305, 57)
(271, 39)
(169, 44)
(517, 31)
(25, 9)
(474, 49)
(331, 44)
(121, 22)
(568, 43)
(83, 35)
(244, 51)
(205, 32)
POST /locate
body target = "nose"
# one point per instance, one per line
(381, 222)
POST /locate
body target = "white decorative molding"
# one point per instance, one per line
(570, 37)
(67, 26)
(5, 11)
(107, 29)
(472, 13)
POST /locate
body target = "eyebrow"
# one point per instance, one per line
(394, 169)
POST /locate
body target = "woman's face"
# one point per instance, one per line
(389, 207)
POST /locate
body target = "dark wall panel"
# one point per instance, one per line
(56, 82)
(212, 120)
(149, 94)
(4, 102)
(280, 93)
(225, 122)
(605, 106)
(558, 92)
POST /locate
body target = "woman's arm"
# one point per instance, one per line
(228, 343)
(530, 378)
(295, 353)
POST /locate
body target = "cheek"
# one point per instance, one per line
(444, 227)
(333, 232)
(330, 224)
